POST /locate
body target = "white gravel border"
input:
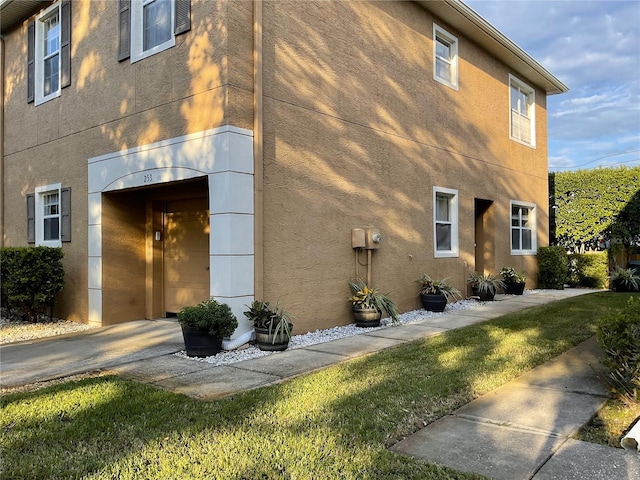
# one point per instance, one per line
(335, 333)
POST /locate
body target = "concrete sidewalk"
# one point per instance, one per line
(523, 429)
(519, 431)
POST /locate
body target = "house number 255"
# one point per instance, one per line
(148, 178)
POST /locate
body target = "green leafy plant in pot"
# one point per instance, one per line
(625, 280)
(368, 305)
(514, 282)
(204, 326)
(272, 325)
(484, 285)
(435, 293)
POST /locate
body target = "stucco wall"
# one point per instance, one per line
(112, 106)
(357, 133)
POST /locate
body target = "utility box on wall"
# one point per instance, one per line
(372, 238)
(357, 238)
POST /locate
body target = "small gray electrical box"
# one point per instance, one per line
(357, 238)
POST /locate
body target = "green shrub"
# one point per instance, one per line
(588, 270)
(552, 267)
(216, 318)
(31, 278)
(619, 337)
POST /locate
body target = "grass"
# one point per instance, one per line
(335, 423)
(611, 424)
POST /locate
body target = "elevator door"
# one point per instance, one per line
(186, 253)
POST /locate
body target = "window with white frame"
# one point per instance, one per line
(445, 222)
(49, 53)
(47, 205)
(523, 228)
(522, 119)
(49, 215)
(445, 57)
(147, 27)
(151, 27)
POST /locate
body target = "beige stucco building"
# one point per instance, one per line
(181, 149)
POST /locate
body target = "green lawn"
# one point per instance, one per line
(335, 423)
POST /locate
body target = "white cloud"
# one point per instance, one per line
(593, 47)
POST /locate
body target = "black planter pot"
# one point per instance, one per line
(512, 288)
(433, 302)
(484, 296)
(620, 286)
(198, 342)
(367, 317)
(270, 342)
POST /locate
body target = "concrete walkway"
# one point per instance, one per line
(520, 431)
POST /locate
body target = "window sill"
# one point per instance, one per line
(530, 145)
(41, 100)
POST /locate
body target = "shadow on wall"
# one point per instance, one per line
(361, 139)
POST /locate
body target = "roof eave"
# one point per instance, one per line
(14, 12)
(472, 25)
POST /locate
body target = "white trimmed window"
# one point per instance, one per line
(49, 53)
(523, 228)
(445, 57)
(445, 222)
(151, 27)
(49, 215)
(147, 27)
(522, 120)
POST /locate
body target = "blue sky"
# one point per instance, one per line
(594, 48)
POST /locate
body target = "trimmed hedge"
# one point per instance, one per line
(31, 277)
(589, 207)
(589, 270)
(553, 266)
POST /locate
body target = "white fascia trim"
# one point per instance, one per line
(455, 248)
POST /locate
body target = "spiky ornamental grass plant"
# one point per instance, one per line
(431, 286)
(365, 297)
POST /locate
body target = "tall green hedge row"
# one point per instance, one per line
(588, 207)
(31, 277)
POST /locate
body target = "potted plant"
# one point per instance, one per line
(625, 279)
(368, 305)
(485, 285)
(434, 294)
(272, 325)
(204, 326)
(514, 282)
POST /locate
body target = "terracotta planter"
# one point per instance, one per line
(367, 317)
(269, 342)
(198, 342)
(433, 302)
